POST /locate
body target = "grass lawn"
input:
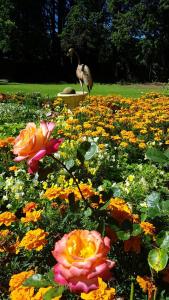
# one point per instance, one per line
(51, 90)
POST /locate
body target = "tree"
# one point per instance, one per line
(6, 25)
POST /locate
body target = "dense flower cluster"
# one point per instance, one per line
(97, 201)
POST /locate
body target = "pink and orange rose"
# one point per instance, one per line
(82, 259)
(34, 143)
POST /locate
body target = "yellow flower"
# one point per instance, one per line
(39, 295)
(102, 293)
(120, 211)
(123, 144)
(53, 192)
(148, 228)
(17, 279)
(142, 145)
(32, 216)
(13, 168)
(34, 239)
(7, 218)
(21, 293)
(147, 285)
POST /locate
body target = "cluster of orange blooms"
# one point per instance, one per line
(6, 141)
(20, 292)
(122, 120)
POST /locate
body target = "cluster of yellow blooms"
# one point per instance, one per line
(20, 292)
(123, 120)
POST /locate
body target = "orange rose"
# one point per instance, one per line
(34, 143)
(82, 258)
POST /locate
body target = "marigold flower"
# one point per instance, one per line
(32, 216)
(53, 192)
(34, 143)
(5, 142)
(146, 285)
(17, 279)
(29, 207)
(21, 293)
(3, 235)
(120, 211)
(102, 293)
(142, 145)
(34, 239)
(7, 218)
(82, 258)
(148, 228)
(13, 168)
(39, 295)
(133, 245)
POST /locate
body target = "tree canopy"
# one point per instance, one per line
(120, 40)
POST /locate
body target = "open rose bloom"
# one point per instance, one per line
(34, 143)
(82, 258)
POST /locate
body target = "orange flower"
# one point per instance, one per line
(21, 293)
(34, 143)
(17, 279)
(133, 245)
(53, 192)
(81, 258)
(34, 239)
(147, 285)
(119, 210)
(6, 141)
(3, 235)
(32, 216)
(102, 293)
(29, 207)
(39, 295)
(13, 168)
(7, 218)
(148, 228)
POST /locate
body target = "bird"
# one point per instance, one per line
(82, 72)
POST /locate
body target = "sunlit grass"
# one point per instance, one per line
(51, 90)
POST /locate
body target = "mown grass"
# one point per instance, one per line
(51, 90)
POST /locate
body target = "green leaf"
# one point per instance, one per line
(69, 164)
(88, 212)
(165, 207)
(36, 281)
(153, 204)
(156, 155)
(162, 240)
(136, 230)
(82, 149)
(123, 235)
(91, 151)
(157, 259)
(105, 205)
(53, 292)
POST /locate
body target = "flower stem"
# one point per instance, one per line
(74, 178)
(132, 291)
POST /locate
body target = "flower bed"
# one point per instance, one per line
(84, 199)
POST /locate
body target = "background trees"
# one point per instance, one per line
(120, 40)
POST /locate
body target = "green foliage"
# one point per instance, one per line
(6, 25)
(157, 259)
